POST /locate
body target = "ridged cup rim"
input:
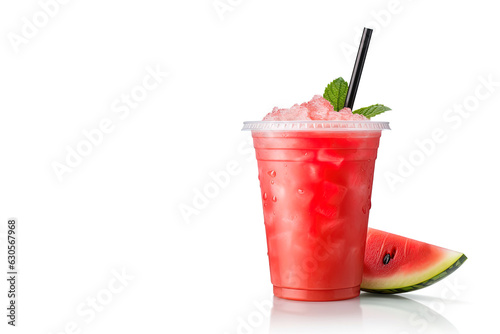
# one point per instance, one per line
(314, 125)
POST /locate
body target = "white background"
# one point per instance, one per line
(119, 208)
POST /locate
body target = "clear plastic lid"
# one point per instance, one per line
(315, 126)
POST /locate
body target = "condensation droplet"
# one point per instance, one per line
(301, 191)
(271, 173)
(363, 209)
(305, 153)
(274, 199)
(272, 182)
(285, 165)
(264, 196)
(274, 213)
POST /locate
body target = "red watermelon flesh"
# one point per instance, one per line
(396, 264)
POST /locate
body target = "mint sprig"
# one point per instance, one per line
(336, 93)
(372, 110)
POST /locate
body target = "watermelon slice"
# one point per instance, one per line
(395, 264)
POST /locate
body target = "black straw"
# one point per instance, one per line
(358, 67)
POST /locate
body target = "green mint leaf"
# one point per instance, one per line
(336, 92)
(371, 111)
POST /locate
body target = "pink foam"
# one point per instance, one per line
(316, 109)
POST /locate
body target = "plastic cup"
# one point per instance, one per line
(316, 184)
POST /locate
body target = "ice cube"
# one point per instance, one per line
(316, 109)
(333, 193)
(330, 155)
(329, 198)
(294, 113)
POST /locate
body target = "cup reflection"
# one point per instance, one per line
(369, 313)
(288, 316)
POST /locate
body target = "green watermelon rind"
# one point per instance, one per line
(425, 283)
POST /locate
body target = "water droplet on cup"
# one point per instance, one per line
(301, 191)
(264, 196)
(363, 209)
(271, 173)
(274, 199)
(272, 182)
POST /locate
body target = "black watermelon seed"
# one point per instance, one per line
(387, 258)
